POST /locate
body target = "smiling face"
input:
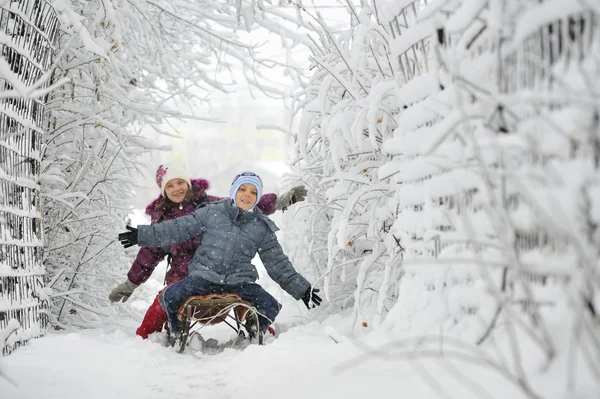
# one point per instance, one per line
(176, 190)
(246, 196)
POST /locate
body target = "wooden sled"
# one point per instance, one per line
(212, 309)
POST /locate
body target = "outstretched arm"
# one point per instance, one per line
(280, 268)
(172, 231)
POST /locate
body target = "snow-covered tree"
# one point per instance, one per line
(451, 149)
(347, 113)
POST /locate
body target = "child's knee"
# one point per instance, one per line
(272, 305)
(171, 296)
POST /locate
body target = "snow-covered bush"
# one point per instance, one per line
(347, 114)
(451, 149)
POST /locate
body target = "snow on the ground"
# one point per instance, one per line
(301, 363)
(312, 358)
(309, 359)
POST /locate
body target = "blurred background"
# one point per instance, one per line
(217, 151)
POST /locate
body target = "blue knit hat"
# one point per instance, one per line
(243, 178)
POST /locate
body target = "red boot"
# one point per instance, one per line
(153, 320)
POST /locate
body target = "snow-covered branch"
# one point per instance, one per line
(481, 120)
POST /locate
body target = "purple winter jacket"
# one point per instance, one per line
(182, 253)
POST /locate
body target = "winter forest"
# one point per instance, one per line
(451, 154)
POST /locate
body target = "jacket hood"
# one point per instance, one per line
(199, 187)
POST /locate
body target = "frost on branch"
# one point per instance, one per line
(462, 139)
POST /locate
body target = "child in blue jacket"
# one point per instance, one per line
(234, 231)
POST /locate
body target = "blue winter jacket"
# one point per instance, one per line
(231, 239)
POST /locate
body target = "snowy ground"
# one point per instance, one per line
(309, 359)
(302, 363)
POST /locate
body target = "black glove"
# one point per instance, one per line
(311, 296)
(129, 238)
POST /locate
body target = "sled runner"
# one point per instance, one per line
(231, 309)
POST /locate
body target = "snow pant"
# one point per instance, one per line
(175, 295)
(154, 319)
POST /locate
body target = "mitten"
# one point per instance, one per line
(122, 292)
(296, 194)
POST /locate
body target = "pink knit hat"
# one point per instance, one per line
(164, 173)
